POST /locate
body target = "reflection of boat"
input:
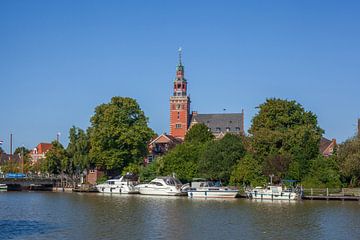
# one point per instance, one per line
(167, 186)
(3, 187)
(273, 193)
(124, 184)
(200, 188)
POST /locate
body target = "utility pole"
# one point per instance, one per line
(22, 159)
(11, 136)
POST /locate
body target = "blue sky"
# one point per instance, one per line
(60, 59)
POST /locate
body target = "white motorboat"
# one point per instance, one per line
(3, 187)
(166, 186)
(200, 188)
(124, 184)
(272, 193)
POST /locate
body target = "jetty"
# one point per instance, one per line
(339, 194)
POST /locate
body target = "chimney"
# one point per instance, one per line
(194, 113)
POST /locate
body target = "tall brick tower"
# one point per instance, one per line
(179, 104)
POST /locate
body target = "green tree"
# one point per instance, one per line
(199, 133)
(284, 128)
(182, 160)
(248, 171)
(220, 157)
(324, 172)
(118, 134)
(56, 160)
(24, 155)
(78, 150)
(348, 157)
(150, 171)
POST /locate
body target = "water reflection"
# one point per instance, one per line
(106, 216)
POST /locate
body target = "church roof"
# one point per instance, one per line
(221, 122)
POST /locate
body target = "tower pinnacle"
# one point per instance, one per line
(180, 51)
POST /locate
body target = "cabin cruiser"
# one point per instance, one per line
(166, 186)
(3, 187)
(122, 184)
(201, 188)
(273, 193)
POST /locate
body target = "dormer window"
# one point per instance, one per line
(228, 129)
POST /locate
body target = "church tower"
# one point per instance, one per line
(179, 104)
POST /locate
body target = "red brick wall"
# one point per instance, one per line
(93, 176)
(179, 116)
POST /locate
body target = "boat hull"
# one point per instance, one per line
(212, 193)
(117, 190)
(3, 187)
(269, 196)
(159, 191)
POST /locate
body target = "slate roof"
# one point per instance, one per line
(223, 122)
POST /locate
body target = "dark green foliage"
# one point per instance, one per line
(324, 172)
(182, 160)
(199, 133)
(78, 150)
(248, 171)
(149, 172)
(220, 157)
(56, 160)
(283, 129)
(118, 134)
(349, 161)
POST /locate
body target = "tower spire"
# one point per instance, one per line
(180, 52)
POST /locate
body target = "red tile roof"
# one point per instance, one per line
(43, 147)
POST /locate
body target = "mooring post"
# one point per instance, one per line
(311, 191)
(327, 192)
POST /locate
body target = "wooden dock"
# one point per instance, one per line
(339, 194)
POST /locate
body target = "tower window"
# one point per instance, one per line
(178, 115)
(178, 126)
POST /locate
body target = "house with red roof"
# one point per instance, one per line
(39, 151)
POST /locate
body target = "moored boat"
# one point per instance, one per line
(273, 193)
(166, 186)
(3, 187)
(123, 184)
(201, 188)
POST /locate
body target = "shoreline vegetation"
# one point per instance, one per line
(282, 142)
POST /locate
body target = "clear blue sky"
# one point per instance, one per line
(60, 59)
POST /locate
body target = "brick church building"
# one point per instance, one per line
(181, 119)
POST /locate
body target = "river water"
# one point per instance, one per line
(47, 215)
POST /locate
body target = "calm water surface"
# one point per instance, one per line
(39, 215)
